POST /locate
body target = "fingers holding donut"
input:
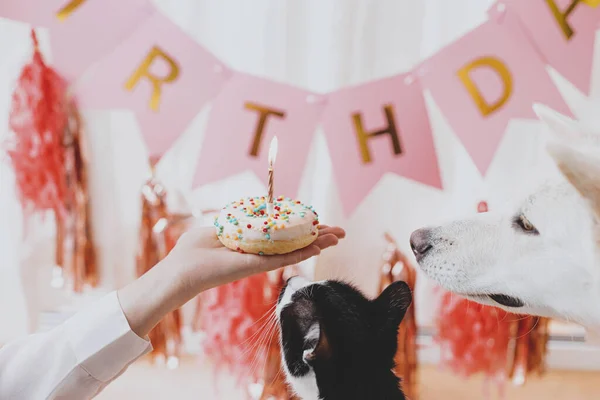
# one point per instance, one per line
(335, 230)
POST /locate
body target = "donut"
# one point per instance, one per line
(246, 226)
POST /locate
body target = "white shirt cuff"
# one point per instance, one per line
(102, 339)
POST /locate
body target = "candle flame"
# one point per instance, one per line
(273, 151)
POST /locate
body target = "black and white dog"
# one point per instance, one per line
(336, 343)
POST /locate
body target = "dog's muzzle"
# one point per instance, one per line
(420, 243)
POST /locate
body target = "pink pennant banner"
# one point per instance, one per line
(162, 75)
(81, 31)
(127, 55)
(376, 128)
(564, 31)
(487, 77)
(245, 116)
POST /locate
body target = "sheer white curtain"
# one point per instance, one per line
(320, 45)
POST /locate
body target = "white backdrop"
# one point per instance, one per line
(320, 45)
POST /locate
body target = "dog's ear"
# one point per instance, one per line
(322, 351)
(391, 305)
(582, 170)
(561, 127)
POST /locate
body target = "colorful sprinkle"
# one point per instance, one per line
(286, 212)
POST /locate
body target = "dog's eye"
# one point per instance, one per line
(523, 223)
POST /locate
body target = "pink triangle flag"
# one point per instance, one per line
(484, 79)
(245, 116)
(81, 31)
(564, 32)
(375, 128)
(162, 75)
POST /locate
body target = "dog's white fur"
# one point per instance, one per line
(555, 273)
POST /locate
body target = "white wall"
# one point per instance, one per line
(317, 44)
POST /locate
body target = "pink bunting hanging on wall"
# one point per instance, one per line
(81, 32)
(377, 128)
(245, 116)
(485, 79)
(133, 57)
(162, 75)
(564, 32)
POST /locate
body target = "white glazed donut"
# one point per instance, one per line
(245, 226)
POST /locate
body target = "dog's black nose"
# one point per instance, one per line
(420, 242)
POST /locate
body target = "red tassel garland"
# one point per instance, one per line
(46, 150)
(397, 267)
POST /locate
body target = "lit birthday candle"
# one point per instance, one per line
(272, 157)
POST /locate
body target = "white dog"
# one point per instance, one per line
(543, 256)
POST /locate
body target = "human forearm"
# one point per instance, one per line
(149, 298)
(75, 359)
(197, 263)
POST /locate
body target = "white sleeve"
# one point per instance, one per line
(75, 360)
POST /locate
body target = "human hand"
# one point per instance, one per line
(199, 262)
(203, 262)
